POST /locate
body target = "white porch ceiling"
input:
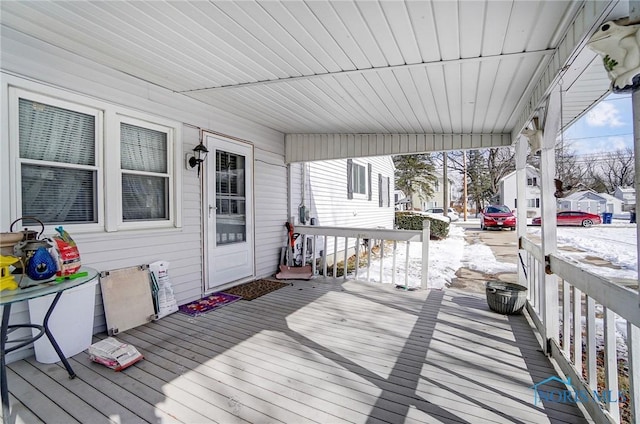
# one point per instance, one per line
(319, 67)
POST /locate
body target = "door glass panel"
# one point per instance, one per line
(230, 198)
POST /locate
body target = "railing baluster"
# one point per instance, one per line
(592, 372)
(426, 237)
(324, 255)
(577, 329)
(406, 267)
(611, 362)
(530, 286)
(304, 249)
(369, 247)
(393, 265)
(566, 303)
(633, 355)
(357, 256)
(381, 260)
(335, 256)
(346, 256)
(313, 255)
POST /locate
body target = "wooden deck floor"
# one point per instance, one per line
(317, 352)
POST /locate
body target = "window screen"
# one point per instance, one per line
(57, 152)
(359, 177)
(144, 197)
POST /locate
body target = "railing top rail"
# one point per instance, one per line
(618, 299)
(373, 233)
(531, 247)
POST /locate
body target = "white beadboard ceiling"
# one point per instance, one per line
(314, 67)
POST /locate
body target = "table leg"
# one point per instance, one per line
(3, 378)
(45, 324)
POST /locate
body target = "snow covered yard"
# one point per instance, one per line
(615, 243)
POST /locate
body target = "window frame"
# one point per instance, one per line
(108, 190)
(115, 209)
(351, 180)
(15, 94)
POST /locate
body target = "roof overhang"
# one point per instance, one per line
(346, 78)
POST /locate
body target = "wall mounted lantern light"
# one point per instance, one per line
(199, 155)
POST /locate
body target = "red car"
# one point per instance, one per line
(579, 218)
(497, 216)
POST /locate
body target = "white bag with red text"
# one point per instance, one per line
(164, 300)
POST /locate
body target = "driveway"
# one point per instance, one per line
(503, 244)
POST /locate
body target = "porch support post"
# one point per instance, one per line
(635, 99)
(633, 333)
(521, 196)
(550, 315)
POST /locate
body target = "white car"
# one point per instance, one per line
(453, 215)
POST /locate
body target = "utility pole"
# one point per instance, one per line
(464, 184)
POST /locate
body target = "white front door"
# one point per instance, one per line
(229, 208)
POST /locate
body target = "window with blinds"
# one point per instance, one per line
(57, 152)
(145, 180)
(230, 198)
(72, 172)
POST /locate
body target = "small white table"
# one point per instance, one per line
(9, 297)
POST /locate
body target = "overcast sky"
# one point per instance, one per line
(607, 127)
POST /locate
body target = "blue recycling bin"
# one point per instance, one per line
(606, 217)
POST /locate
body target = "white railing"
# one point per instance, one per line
(580, 301)
(344, 241)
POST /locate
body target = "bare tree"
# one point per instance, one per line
(485, 169)
(618, 169)
(605, 172)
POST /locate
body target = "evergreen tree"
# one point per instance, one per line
(415, 174)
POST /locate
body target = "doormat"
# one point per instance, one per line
(255, 289)
(207, 304)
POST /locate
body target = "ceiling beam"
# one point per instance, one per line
(542, 53)
(313, 147)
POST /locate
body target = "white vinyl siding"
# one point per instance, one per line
(324, 194)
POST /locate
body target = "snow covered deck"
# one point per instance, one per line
(317, 351)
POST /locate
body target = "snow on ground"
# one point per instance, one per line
(445, 258)
(615, 243)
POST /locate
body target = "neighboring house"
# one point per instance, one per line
(507, 191)
(344, 193)
(628, 197)
(590, 201)
(422, 202)
(401, 201)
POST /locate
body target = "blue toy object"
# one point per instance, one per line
(41, 265)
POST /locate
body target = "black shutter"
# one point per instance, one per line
(349, 179)
(370, 180)
(380, 193)
(388, 192)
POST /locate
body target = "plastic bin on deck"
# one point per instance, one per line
(71, 322)
(606, 218)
